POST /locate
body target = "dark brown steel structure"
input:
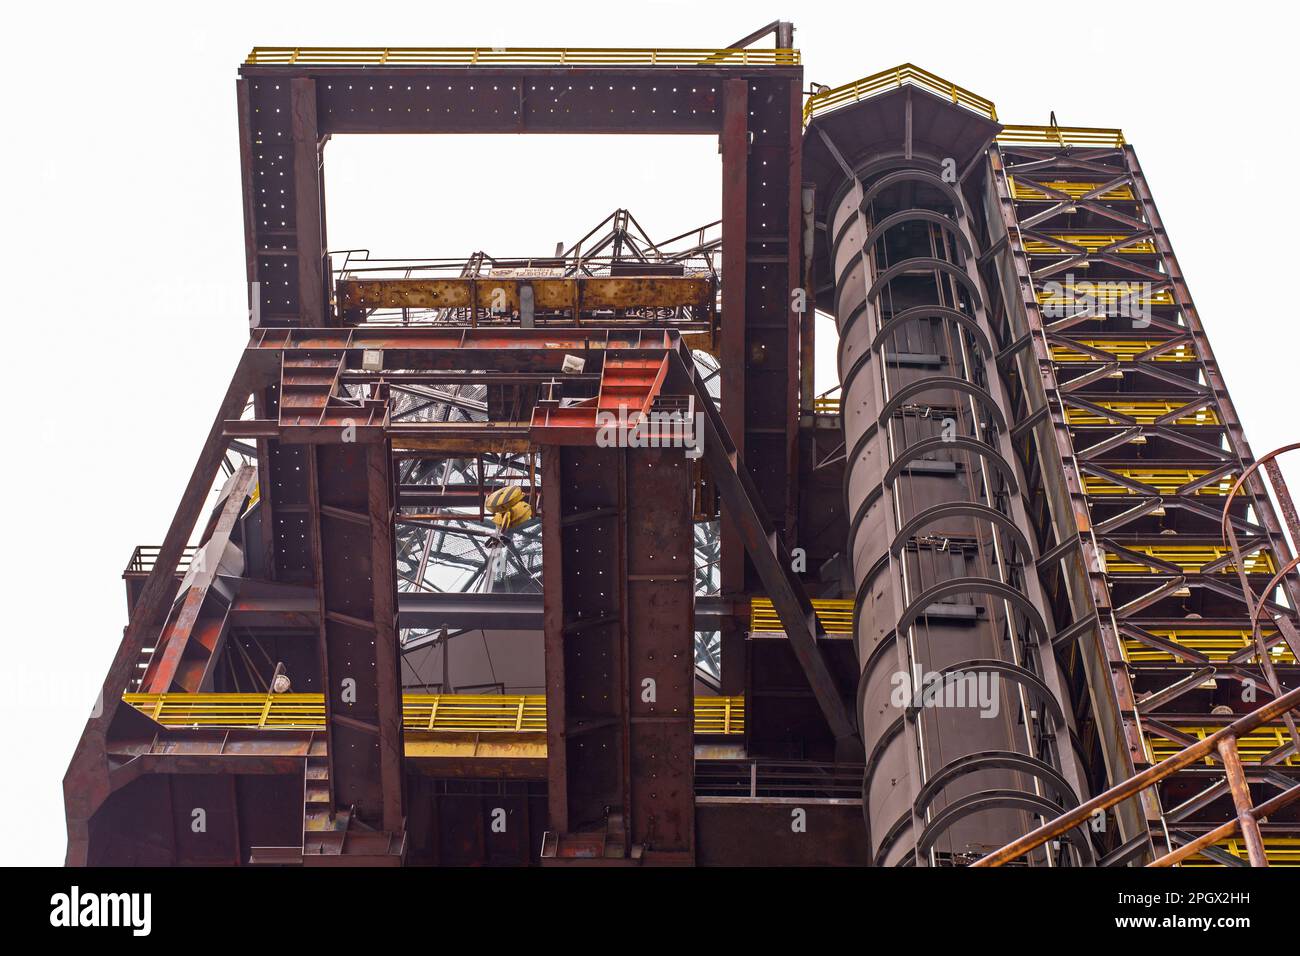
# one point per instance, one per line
(561, 560)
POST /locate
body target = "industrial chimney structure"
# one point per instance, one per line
(562, 559)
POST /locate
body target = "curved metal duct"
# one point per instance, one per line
(966, 737)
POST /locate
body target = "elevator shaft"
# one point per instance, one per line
(967, 740)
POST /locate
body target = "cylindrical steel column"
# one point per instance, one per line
(966, 738)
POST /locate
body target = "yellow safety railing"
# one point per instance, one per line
(828, 402)
(1125, 350)
(517, 56)
(902, 75)
(1253, 747)
(1187, 557)
(1144, 413)
(1023, 192)
(720, 715)
(836, 615)
(1072, 294)
(1280, 850)
(1091, 241)
(1166, 481)
(1060, 136)
(431, 713)
(1216, 643)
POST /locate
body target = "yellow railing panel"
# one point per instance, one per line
(1280, 851)
(1165, 481)
(1023, 192)
(1144, 413)
(1091, 241)
(1187, 557)
(1060, 136)
(429, 713)
(836, 615)
(1253, 747)
(1217, 644)
(1102, 293)
(1125, 350)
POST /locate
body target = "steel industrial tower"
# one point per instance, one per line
(1020, 583)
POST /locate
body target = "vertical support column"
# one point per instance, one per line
(380, 499)
(583, 620)
(351, 505)
(557, 791)
(660, 659)
(619, 625)
(734, 146)
(309, 203)
(807, 320)
(794, 231)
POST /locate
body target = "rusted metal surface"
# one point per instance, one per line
(945, 560)
(571, 298)
(931, 482)
(175, 661)
(86, 784)
(352, 495)
(1133, 392)
(1152, 775)
(619, 625)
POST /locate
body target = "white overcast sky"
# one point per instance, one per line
(123, 233)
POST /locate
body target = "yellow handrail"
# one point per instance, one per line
(1165, 481)
(1217, 644)
(1144, 413)
(517, 56)
(835, 614)
(1061, 136)
(1124, 350)
(1090, 241)
(1280, 851)
(1254, 746)
(1024, 192)
(425, 713)
(904, 74)
(1187, 557)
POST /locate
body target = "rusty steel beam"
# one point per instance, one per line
(770, 556)
(351, 516)
(395, 99)
(165, 665)
(1225, 830)
(618, 631)
(308, 214)
(86, 784)
(1246, 821)
(502, 295)
(1139, 782)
